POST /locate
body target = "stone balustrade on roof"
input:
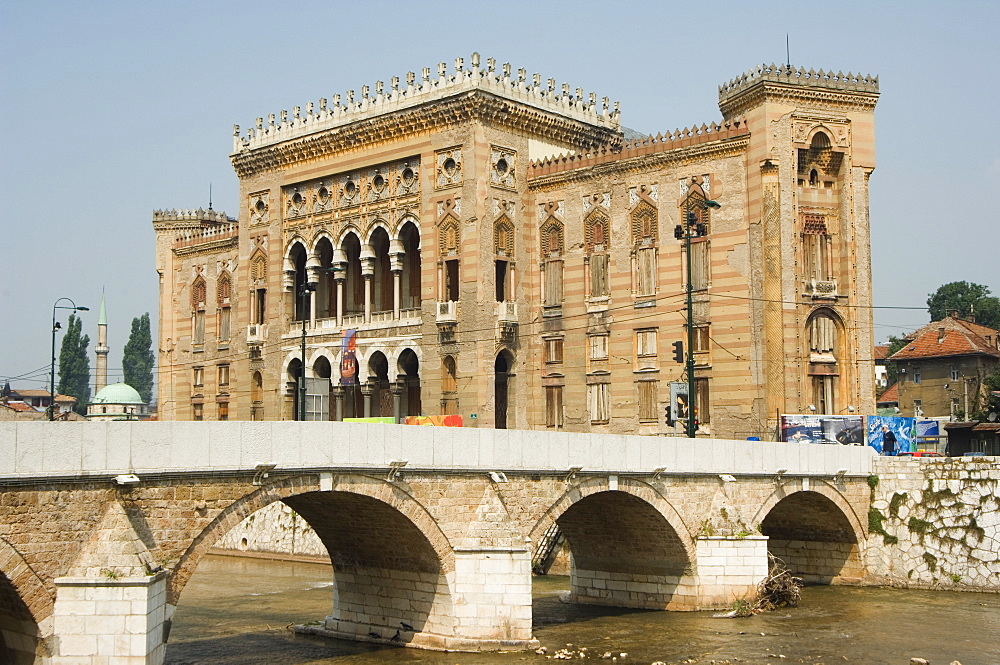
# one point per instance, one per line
(503, 82)
(681, 138)
(190, 237)
(797, 76)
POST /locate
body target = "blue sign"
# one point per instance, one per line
(891, 435)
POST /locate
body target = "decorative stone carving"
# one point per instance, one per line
(259, 204)
(502, 167)
(295, 202)
(449, 168)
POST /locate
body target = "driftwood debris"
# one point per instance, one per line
(779, 589)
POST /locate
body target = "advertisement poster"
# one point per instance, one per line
(891, 435)
(348, 358)
(385, 420)
(678, 401)
(811, 428)
(438, 421)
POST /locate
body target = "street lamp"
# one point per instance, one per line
(52, 368)
(692, 228)
(307, 288)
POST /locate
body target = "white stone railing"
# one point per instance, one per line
(109, 448)
(502, 82)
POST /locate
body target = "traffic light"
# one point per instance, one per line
(679, 351)
(692, 217)
(679, 232)
(668, 416)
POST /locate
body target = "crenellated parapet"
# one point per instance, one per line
(187, 228)
(192, 237)
(197, 216)
(681, 138)
(734, 95)
(408, 93)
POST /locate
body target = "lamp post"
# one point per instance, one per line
(307, 288)
(691, 228)
(52, 368)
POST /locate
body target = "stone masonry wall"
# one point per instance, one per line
(275, 530)
(935, 523)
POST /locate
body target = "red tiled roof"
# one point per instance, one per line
(891, 394)
(881, 351)
(950, 337)
(36, 392)
(20, 406)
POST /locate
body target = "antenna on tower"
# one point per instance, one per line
(788, 58)
(210, 196)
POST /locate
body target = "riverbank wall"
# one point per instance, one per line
(933, 523)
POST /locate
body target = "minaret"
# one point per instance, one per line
(101, 349)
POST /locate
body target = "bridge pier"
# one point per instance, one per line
(484, 604)
(725, 568)
(111, 619)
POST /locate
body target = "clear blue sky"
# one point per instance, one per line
(112, 110)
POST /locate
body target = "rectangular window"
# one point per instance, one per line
(501, 281)
(598, 398)
(917, 410)
(645, 343)
(824, 394)
(199, 413)
(553, 406)
(699, 265)
(955, 408)
(645, 283)
(260, 312)
(223, 410)
(954, 372)
(224, 324)
(702, 339)
(916, 375)
(451, 280)
(199, 328)
(703, 412)
(647, 400)
(816, 255)
(554, 350)
(198, 380)
(599, 347)
(553, 283)
(223, 375)
(598, 275)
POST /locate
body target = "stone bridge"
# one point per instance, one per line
(430, 530)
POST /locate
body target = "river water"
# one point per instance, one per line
(236, 611)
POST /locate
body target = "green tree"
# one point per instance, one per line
(968, 298)
(990, 402)
(137, 363)
(891, 371)
(74, 365)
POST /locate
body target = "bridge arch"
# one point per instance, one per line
(392, 562)
(816, 532)
(24, 603)
(640, 557)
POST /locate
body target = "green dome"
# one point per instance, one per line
(117, 393)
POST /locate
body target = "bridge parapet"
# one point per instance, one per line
(86, 449)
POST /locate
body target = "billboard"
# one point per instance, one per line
(678, 401)
(813, 428)
(439, 421)
(349, 358)
(891, 435)
(385, 420)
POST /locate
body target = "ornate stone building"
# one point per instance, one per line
(505, 250)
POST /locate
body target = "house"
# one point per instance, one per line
(942, 367)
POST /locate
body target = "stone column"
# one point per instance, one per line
(102, 620)
(368, 273)
(398, 386)
(368, 389)
(338, 396)
(340, 301)
(396, 266)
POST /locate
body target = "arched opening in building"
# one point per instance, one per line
(389, 580)
(824, 369)
(378, 380)
(326, 289)
(449, 386)
(409, 372)
(409, 237)
(354, 286)
(18, 630)
(813, 536)
(257, 396)
(297, 258)
(292, 384)
(638, 549)
(501, 389)
(382, 285)
(322, 370)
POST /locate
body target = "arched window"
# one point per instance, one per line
(382, 282)
(450, 238)
(644, 239)
(449, 386)
(223, 294)
(297, 258)
(409, 237)
(824, 352)
(596, 239)
(258, 288)
(199, 295)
